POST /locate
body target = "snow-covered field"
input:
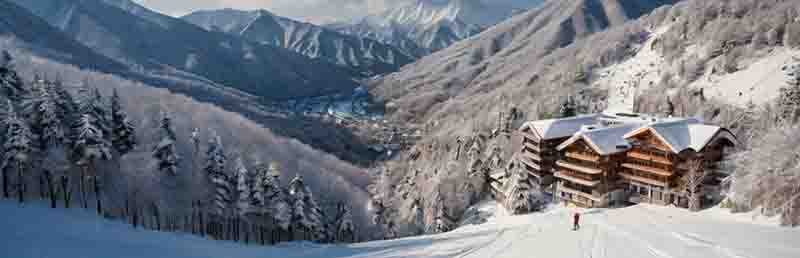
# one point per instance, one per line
(634, 232)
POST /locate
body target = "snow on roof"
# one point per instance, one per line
(561, 127)
(604, 141)
(685, 134)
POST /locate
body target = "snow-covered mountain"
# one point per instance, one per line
(131, 34)
(261, 26)
(635, 232)
(432, 24)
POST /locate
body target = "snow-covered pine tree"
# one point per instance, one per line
(90, 140)
(789, 101)
(166, 152)
(18, 149)
(46, 119)
(195, 138)
(519, 198)
(568, 108)
(270, 200)
(345, 229)
(243, 188)
(306, 214)
(215, 168)
(10, 83)
(441, 221)
(123, 132)
(220, 184)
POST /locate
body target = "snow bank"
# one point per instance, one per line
(634, 232)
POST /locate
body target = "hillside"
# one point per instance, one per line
(363, 54)
(157, 43)
(635, 232)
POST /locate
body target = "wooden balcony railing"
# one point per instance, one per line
(578, 168)
(648, 157)
(578, 180)
(657, 171)
(530, 163)
(532, 156)
(532, 147)
(649, 181)
(583, 156)
(530, 137)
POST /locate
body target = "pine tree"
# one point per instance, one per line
(789, 101)
(243, 187)
(519, 192)
(122, 129)
(345, 229)
(17, 148)
(306, 214)
(166, 153)
(195, 139)
(215, 168)
(90, 140)
(441, 221)
(568, 108)
(46, 118)
(10, 83)
(269, 199)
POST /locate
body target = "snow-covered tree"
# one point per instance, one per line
(166, 153)
(568, 108)
(215, 168)
(243, 187)
(123, 131)
(195, 139)
(90, 139)
(46, 118)
(519, 196)
(10, 83)
(345, 229)
(18, 149)
(789, 101)
(270, 198)
(306, 214)
(440, 221)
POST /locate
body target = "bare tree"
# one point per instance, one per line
(694, 177)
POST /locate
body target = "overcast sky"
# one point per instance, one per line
(317, 11)
(308, 10)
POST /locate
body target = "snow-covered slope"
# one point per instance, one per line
(367, 55)
(432, 24)
(635, 232)
(146, 40)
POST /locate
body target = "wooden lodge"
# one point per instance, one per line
(605, 160)
(540, 139)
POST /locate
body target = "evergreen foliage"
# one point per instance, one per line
(165, 153)
(215, 168)
(123, 130)
(306, 213)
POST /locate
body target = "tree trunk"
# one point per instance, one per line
(202, 225)
(97, 195)
(5, 184)
(135, 217)
(82, 188)
(66, 191)
(48, 178)
(42, 188)
(20, 182)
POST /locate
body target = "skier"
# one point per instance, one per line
(576, 221)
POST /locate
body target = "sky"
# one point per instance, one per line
(315, 11)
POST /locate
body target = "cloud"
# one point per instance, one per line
(317, 11)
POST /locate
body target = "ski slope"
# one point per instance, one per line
(634, 232)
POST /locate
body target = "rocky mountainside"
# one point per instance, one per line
(21, 28)
(431, 25)
(363, 54)
(146, 40)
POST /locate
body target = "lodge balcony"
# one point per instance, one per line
(532, 156)
(664, 171)
(582, 167)
(532, 147)
(649, 157)
(530, 164)
(585, 156)
(530, 138)
(578, 178)
(637, 177)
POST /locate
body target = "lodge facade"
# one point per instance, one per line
(605, 159)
